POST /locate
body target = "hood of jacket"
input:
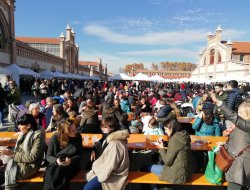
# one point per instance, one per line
(118, 135)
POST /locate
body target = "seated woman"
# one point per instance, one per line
(28, 155)
(58, 115)
(177, 166)
(111, 166)
(89, 119)
(64, 155)
(34, 110)
(206, 124)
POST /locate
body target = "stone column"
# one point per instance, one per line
(62, 45)
(229, 56)
(12, 31)
(215, 63)
(207, 64)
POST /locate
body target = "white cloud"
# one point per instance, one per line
(153, 38)
(172, 52)
(233, 34)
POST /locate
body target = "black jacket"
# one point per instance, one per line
(234, 99)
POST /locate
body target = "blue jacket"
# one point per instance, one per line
(202, 129)
(125, 106)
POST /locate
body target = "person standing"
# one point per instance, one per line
(2, 104)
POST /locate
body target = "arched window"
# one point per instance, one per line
(219, 57)
(1, 38)
(212, 57)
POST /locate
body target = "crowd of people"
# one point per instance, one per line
(115, 109)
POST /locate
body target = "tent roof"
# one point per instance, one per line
(13, 68)
(141, 77)
(4, 71)
(120, 76)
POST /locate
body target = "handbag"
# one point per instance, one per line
(224, 160)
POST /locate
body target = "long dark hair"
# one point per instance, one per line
(208, 116)
(173, 125)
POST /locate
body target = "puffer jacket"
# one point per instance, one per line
(203, 129)
(177, 159)
(234, 99)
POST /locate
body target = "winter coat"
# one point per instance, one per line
(112, 167)
(2, 98)
(203, 129)
(89, 121)
(58, 177)
(234, 99)
(239, 172)
(125, 106)
(29, 164)
(177, 159)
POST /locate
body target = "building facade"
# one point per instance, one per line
(64, 47)
(163, 73)
(222, 59)
(97, 69)
(55, 54)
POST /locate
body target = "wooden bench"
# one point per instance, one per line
(133, 177)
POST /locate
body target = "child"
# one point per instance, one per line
(153, 128)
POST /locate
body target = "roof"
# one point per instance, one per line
(88, 63)
(241, 47)
(38, 40)
(160, 71)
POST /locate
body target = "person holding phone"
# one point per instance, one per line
(177, 166)
(64, 155)
(26, 158)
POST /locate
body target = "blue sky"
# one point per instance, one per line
(128, 31)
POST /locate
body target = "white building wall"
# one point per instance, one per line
(26, 62)
(4, 58)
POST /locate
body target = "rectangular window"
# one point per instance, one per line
(241, 57)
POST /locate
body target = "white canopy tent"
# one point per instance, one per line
(3, 73)
(94, 78)
(157, 78)
(47, 74)
(120, 76)
(141, 77)
(16, 71)
(57, 74)
(35, 74)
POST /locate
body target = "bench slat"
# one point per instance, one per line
(134, 177)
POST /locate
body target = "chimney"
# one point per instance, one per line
(218, 33)
(68, 33)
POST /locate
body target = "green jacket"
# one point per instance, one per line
(177, 159)
(29, 164)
